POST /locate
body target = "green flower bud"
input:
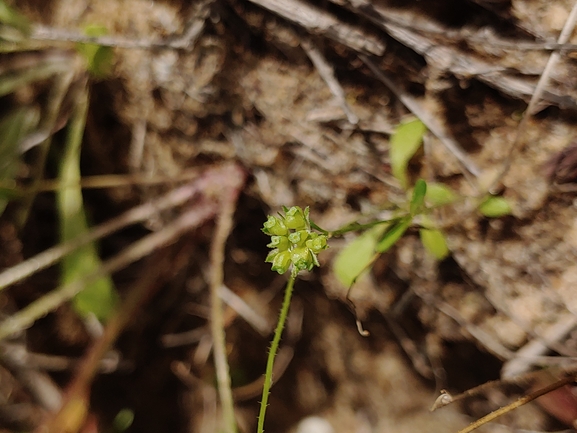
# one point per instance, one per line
(274, 226)
(315, 258)
(295, 218)
(281, 262)
(301, 258)
(271, 255)
(280, 242)
(298, 238)
(317, 244)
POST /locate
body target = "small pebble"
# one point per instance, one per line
(315, 424)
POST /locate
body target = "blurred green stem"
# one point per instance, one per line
(55, 98)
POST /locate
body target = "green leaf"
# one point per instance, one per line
(495, 207)
(356, 257)
(418, 197)
(8, 193)
(99, 297)
(434, 242)
(12, 18)
(123, 420)
(13, 128)
(404, 143)
(98, 58)
(392, 235)
(439, 194)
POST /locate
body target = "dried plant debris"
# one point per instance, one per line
(306, 96)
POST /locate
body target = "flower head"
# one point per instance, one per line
(293, 241)
(274, 226)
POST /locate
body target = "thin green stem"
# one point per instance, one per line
(274, 348)
(355, 227)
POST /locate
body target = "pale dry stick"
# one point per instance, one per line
(490, 343)
(139, 249)
(446, 56)
(327, 74)
(381, 13)
(185, 41)
(539, 89)
(136, 148)
(250, 316)
(77, 395)
(39, 62)
(209, 408)
(284, 356)
(116, 181)
(236, 303)
(517, 403)
(58, 92)
(321, 22)
(526, 379)
(140, 213)
(224, 224)
(34, 69)
(37, 383)
(522, 360)
(414, 107)
(46, 33)
(183, 338)
(551, 340)
(44, 362)
(240, 308)
(408, 345)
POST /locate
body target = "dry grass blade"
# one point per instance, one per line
(140, 213)
(185, 41)
(71, 416)
(223, 227)
(318, 21)
(326, 71)
(539, 89)
(27, 316)
(429, 120)
(210, 185)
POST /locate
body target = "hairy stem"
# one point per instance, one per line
(268, 379)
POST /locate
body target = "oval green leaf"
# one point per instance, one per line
(356, 257)
(495, 207)
(434, 242)
(123, 420)
(439, 194)
(404, 143)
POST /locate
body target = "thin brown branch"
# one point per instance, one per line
(517, 403)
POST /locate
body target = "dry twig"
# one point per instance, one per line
(228, 200)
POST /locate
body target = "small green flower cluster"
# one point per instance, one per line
(293, 241)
